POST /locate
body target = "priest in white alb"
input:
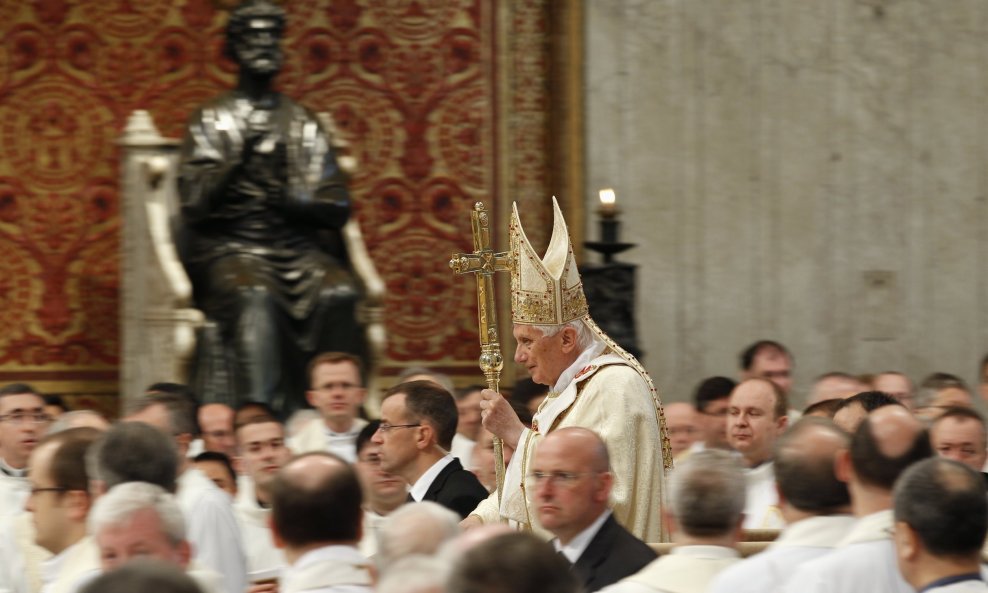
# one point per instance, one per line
(593, 382)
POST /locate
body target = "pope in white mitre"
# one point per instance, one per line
(593, 383)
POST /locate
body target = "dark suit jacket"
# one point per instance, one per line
(612, 555)
(457, 489)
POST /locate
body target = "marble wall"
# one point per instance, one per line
(813, 172)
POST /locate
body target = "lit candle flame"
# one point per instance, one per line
(608, 201)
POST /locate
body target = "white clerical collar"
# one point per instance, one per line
(576, 546)
(578, 365)
(425, 480)
(353, 431)
(873, 527)
(339, 552)
(13, 472)
(823, 531)
(50, 568)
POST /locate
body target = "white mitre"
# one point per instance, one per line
(544, 290)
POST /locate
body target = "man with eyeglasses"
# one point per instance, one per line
(572, 483)
(418, 421)
(22, 423)
(60, 502)
(383, 492)
(712, 399)
(337, 392)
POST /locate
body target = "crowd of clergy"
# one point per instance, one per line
(871, 484)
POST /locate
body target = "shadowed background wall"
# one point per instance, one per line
(812, 172)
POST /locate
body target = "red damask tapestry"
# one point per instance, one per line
(442, 102)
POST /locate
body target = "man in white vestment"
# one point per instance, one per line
(22, 423)
(337, 392)
(261, 441)
(137, 520)
(815, 505)
(959, 434)
(888, 441)
(707, 499)
(316, 518)
(757, 416)
(60, 502)
(941, 517)
(593, 383)
(212, 524)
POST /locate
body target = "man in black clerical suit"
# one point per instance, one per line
(572, 480)
(418, 421)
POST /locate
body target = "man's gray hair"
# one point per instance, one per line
(584, 337)
(415, 528)
(414, 574)
(707, 492)
(133, 452)
(122, 502)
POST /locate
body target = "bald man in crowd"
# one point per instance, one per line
(572, 481)
(316, 519)
(815, 505)
(852, 410)
(941, 517)
(681, 425)
(888, 441)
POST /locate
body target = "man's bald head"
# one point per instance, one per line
(316, 498)
(888, 441)
(581, 445)
(804, 466)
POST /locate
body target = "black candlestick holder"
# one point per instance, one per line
(610, 286)
(608, 246)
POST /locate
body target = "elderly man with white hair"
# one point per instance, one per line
(594, 383)
(138, 520)
(418, 528)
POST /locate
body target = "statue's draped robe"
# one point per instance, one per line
(260, 239)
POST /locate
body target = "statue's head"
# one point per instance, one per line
(253, 36)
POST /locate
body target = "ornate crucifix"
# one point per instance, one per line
(484, 262)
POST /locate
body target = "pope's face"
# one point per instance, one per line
(542, 356)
